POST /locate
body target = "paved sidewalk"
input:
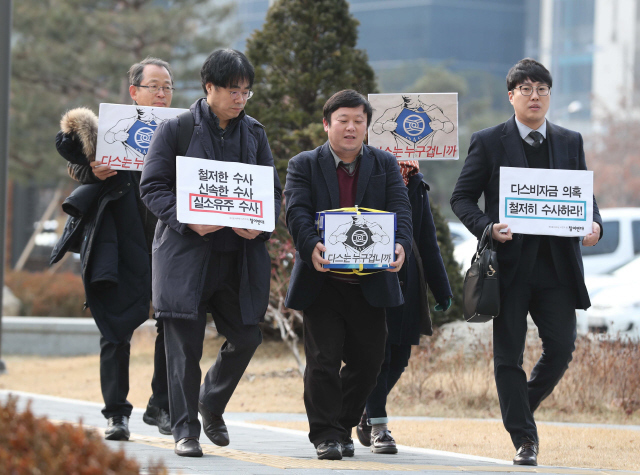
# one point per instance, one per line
(257, 449)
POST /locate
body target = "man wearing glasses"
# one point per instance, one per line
(205, 268)
(540, 275)
(151, 84)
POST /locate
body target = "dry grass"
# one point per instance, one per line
(602, 383)
(561, 446)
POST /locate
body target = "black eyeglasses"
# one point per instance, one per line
(527, 90)
(168, 90)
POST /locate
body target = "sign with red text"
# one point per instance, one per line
(547, 202)
(125, 132)
(231, 194)
(415, 126)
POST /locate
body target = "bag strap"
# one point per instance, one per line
(485, 240)
(186, 124)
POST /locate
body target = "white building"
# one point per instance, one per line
(592, 48)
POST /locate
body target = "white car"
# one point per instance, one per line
(620, 242)
(615, 301)
(464, 243)
(615, 311)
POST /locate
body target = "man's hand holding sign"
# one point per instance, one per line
(593, 237)
(502, 233)
(546, 202)
(212, 194)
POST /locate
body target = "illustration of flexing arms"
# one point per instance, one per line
(359, 235)
(134, 133)
(413, 122)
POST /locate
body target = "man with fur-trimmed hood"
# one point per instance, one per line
(116, 235)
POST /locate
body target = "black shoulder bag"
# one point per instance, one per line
(481, 289)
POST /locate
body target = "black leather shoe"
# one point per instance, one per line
(347, 447)
(329, 450)
(117, 428)
(363, 430)
(213, 426)
(156, 416)
(527, 454)
(188, 447)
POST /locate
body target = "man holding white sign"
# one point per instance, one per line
(201, 261)
(540, 273)
(121, 307)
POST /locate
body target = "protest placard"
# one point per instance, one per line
(415, 126)
(548, 202)
(125, 132)
(230, 194)
(353, 240)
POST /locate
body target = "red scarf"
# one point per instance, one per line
(408, 169)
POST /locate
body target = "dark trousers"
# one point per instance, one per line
(396, 359)
(159, 385)
(114, 377)
(552, 308)
(340, 326)
(184, 341)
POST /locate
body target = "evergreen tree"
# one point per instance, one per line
(304, 54)
(70, 53)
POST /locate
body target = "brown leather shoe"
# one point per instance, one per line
(363, 430)
(213, 426)
(383, 443)
(527, 454)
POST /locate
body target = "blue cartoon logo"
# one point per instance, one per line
(140, 135)
(143, 137)
(413, 125)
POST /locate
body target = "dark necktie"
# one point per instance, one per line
(537, 138)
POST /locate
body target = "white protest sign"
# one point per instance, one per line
(415, 126)
(548, 202)
(352, 240)
(125, 132)
(224, 194)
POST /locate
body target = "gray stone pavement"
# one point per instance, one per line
(263, 450)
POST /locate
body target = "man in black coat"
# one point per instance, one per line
(344, 316)
(540, 275)
(118, 296)
(199, 268)
(423, 268)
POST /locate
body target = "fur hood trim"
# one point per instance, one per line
(83, 123)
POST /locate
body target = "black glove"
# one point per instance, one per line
(70, 147)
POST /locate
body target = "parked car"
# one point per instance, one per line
(464, 244)
(615, 310)
(605, 314)
(620, 242)
(459, 233)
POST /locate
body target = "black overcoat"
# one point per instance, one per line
(181, 256)
(406, 322)
(106, 229)
(312, 185)
(502, 146)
